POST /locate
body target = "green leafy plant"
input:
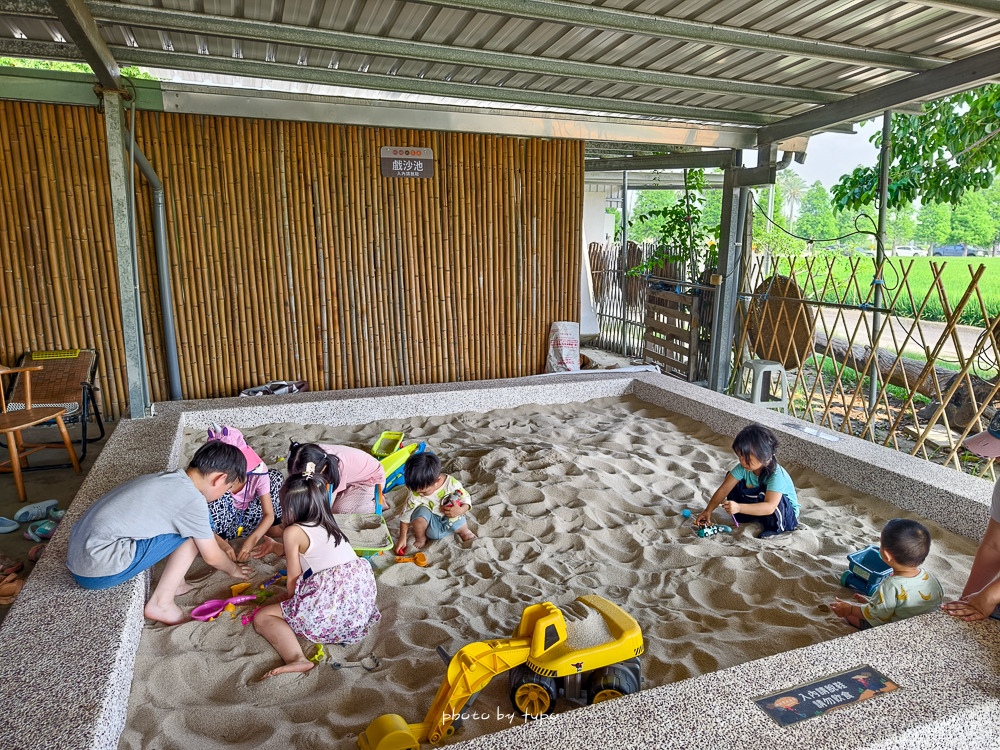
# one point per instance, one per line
(682, 236)
(938, 156)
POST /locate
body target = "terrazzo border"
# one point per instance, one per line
(65, 680)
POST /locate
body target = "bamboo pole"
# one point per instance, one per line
(377, 344)
(39, 333)
(15, 290)
(54, 229)
(230, 292)
(192, 278)
(69, 177)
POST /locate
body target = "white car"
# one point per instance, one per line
(909, 251)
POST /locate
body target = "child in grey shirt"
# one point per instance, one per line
(153, 517)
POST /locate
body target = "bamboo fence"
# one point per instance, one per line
(934, 390)
(291, 256)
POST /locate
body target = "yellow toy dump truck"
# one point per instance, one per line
(591, 647)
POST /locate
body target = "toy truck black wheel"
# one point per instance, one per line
(608, 683)
(532, 694)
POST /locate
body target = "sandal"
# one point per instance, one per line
(36, 552)
(9, 565)
(40, 530)
(7, 526)
(10, 587)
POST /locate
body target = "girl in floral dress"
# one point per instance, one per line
(331, 590)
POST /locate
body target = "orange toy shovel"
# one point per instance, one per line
(419, 559)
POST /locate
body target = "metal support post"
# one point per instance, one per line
(885, 156)
(115, 128)
(622, 270)
(730, 252)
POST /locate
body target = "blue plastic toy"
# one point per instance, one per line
(711, 529)
(395, 463)
(866, 571)
(686, 513)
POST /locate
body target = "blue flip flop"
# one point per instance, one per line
(35, 511)
(7, 526)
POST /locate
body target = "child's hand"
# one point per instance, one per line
(861, 598)
(242, 571)
(454, 510)
(401, 547)
(841, 608)
(245, 550)
(731, 507)
(703, 517)
(230, 552)
(264, 548)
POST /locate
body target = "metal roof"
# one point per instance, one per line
(743, 63)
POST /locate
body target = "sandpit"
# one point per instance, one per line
(568, 499)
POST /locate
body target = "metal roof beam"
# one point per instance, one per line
(307, 74)
(697, 160)
(646, 24)
(363, 44)
(984, 8)
(82, 29)
(931, 84)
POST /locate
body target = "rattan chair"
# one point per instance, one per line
(13, 421)
(66, 381)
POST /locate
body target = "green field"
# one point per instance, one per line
(956, 278)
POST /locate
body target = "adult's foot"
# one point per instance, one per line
(170, 613)
(299, 665)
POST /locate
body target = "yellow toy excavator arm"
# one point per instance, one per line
(469, 671)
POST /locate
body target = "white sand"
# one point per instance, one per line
(567, 500)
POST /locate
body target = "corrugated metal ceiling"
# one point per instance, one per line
(847, 38)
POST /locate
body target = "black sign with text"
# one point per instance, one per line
(403, 161)
(820, 696)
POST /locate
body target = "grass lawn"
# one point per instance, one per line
(956, 278)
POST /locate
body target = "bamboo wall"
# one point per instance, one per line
(292, 258)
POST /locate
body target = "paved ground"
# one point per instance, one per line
(967, 336)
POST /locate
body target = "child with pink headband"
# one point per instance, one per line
(249, 511)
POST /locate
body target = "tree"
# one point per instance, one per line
(816, 219)
(938, 156)
(19, 62)
(646, 223)
(900, 224)
(992, 196)
(793, 187)
(934, 223)
(971, 221)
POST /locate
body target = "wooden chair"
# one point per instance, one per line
(67, 381)
(14, 421)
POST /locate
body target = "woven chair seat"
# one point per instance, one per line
(69, 408)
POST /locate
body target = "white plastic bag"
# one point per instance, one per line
(564, 347)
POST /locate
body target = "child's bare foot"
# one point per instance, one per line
(170, 613)
(466, 534)
(184, 588)
(419, 542)
(299, 665)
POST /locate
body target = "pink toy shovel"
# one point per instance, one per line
(214, 607)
